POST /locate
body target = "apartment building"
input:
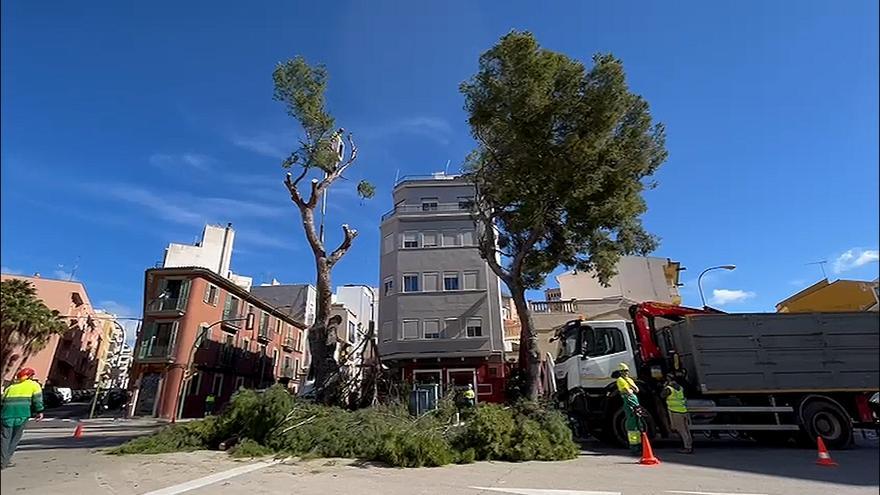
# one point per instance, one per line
(196, 319)
(69, 359)
(439, 303)
(213, 251)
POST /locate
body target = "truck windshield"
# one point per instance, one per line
(568, 344)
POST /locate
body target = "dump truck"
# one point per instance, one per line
(767, 376)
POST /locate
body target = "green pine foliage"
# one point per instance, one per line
(274, 422)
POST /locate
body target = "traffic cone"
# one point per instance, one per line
(78, 432)
(824, 457)
(648, 458)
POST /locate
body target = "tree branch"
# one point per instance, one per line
(339, 252)
(294, 193)
(516, 264)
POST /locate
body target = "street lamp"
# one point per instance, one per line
(187, 372)
(700, 278)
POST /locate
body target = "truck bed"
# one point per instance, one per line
(779, 352)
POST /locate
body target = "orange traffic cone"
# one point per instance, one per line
(824, 457)
(78, 432)
(648, 458)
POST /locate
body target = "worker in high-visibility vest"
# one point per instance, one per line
(679, 419)
(21, 400)
(628, 390)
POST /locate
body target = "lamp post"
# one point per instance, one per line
(187, 370)
(700, 278)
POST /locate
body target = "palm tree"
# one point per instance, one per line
(27, 323)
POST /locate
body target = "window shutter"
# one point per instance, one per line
(184, 293)
(207, 296)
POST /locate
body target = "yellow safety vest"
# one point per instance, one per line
(625, 385)
(675, 401)
(469, 394)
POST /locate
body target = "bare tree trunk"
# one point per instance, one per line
(530, 358)
(321, 344)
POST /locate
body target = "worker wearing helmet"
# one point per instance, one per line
(628, 390)
(21, 400)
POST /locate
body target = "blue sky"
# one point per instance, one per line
(128, 125)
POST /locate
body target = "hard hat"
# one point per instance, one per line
(25, 373)
(622, 367)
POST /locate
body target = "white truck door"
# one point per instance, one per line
(606, 344)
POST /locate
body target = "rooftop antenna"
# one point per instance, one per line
(821, 264)
(396, 176)
(446, 170)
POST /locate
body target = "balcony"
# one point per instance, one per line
(167, 305)
(264, 336)
(288, 372)
(151, 351)
(428, 209)
(287, 344)
(227, 356)
(553, 306)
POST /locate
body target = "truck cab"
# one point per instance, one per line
(590, 351)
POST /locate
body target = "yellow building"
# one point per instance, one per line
(837, 296)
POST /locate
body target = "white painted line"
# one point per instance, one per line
(541, 491)
(711, 493)
(214, 478)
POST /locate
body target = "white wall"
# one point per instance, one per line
(638, 279)
(357, 300)
(210, 253)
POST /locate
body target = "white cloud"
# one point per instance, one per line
(10, 271)
(60, 274)
(855, 258)
(433, 128)
(721, 297)
(191, 210)
(274, 145)
(194, 160)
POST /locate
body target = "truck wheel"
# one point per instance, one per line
(825, 419)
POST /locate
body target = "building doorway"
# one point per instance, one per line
(459, 378)
(147, 393)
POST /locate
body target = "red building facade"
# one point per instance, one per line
(195, 341)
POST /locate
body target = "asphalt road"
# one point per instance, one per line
(51, 461)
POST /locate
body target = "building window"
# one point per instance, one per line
(264, 324)
(410, 239)
(388, 244)
(212, 294)
(450, 238)
(230, 309)
(474, 327)
(246, 345)
(450, 328)
(467, 237)
(239, 382)
(275, 362)
(429, 239)
(432, 329)
(278, 327)
(410, 329)
(217, 385)
(430, 204)
(411, 283)
(195, 384)
(450, 281)
(158, 341)
(352, 332)
(431, 281)
(387, 330)
(465, 202)
(287, 367)
(203, 336)
(470, 280)
(295, 368)
(388, 286)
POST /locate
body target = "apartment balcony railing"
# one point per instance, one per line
(553, 306)
(167, 304)
(287, 344)
(227, 356)
(264, 335)
(151, 351)
(428, 208)
(288, 372)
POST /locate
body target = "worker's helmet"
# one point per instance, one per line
(25, 373)
(622, 367)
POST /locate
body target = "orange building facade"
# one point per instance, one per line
(195, 325)
(70, 359)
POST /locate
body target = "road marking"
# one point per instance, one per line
(541, 491)
(214, 478)
(711, 493)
